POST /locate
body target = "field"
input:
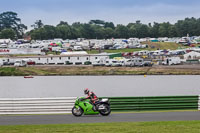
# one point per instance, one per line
(151, 46)
(123, 127)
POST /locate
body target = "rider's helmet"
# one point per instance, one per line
(86, 91)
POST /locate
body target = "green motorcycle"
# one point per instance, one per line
(84, 106)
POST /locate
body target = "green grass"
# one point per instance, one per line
(89, 70)
(120, 127)
(167, 45)
(53, 53)
(10, 71)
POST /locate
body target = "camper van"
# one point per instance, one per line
(134, 62)
(172, 61)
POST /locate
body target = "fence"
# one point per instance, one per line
(36, 105)
(65, 104)
(199, 103)
(154, 103)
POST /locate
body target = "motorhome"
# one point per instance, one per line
(172, 61)
(137, 61)
(134, 62)
(8, 61)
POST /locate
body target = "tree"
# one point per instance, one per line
(132, 31)
(98, 31)
(138, 29)
(9, 20)
(172, 31)
(142, 31)
(121, 31)
(62, 23)
(7, 34)
(108, 33)
(103, 30)
(97, 22)
(38, 24)
(109, 25)
(154, 31)
(88, 31)
(164, 29)
(64, 32)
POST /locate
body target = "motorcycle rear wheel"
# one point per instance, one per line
(77, 111)
(105, 112)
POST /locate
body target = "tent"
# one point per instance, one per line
(53, 44)
(59, 44)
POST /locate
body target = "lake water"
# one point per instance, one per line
(70, 86)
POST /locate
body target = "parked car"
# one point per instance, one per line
(87, 63)
(78, 63)
(68, 63)
(147, 63)
(30, 62)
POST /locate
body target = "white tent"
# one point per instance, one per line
(192, 55)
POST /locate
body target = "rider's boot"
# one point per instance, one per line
(95, 107)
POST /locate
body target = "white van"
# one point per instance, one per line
(20, 63)
(112, 62)
(1, 62)
(98, 63)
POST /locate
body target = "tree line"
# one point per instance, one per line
(11, 27)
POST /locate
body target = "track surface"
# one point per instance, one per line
(115, 117)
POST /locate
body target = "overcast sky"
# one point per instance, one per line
(118, 11)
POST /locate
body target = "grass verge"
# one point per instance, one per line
(120, 127)
(89, 70)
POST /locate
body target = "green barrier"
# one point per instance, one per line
(154, 103)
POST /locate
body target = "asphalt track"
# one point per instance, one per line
(115, 117)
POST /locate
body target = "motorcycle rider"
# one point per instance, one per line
(93, 98)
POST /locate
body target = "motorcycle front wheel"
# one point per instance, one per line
(77, 111)
(106, 111)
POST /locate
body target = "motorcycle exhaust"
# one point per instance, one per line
(101, 107)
